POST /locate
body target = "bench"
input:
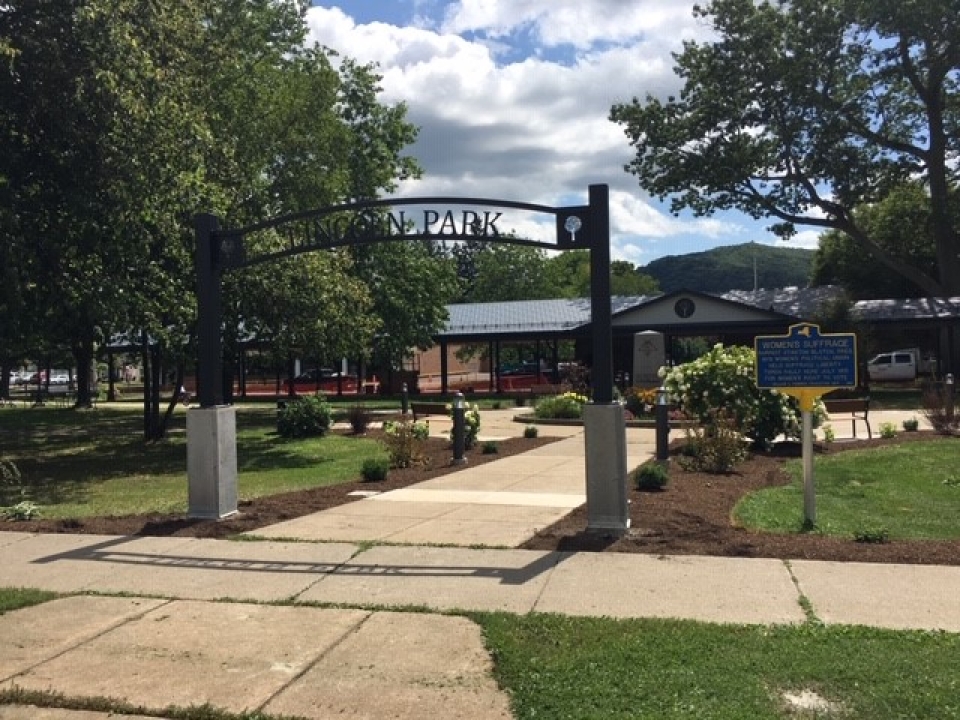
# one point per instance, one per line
(859, 409)
(428, 408)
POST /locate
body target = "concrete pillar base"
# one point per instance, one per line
(605, 435)
(212, 462)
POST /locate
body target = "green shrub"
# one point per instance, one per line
(495, 405)
(875, 536)
(911, 424)
(568, 406)
(490, 447)
(305, 417)
(651, 477)
(24, 510)
(888, 430)
(404, 441)
(531, 431)
(716, 447)
(375, 469)
(359, 418)
(829, 435)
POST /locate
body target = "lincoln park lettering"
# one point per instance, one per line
(351, 227)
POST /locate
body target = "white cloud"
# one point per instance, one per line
(574, 22)
(532, 129)
(806, 239)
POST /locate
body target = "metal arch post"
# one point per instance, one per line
(601, 372)
(608, 509)
(209, 381)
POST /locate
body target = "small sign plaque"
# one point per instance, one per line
(805, 358)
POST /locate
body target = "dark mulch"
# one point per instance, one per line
(691, 517)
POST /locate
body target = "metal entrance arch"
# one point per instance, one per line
(211, 428)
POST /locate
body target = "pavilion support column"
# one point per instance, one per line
(444, 368)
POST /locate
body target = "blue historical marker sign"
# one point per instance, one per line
(805, 358)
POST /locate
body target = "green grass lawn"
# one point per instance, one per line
(82, 464)
(911, 490)
(561, 667)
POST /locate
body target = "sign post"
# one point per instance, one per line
(805, 364)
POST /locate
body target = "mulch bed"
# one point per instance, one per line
(691, 517)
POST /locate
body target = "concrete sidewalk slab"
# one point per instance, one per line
(729, 590)
(503, 526)
(233, 656)
(302, 661)
(170, 567)
(31, 636)
(401, 665)
(480, 497)
(439, 578)
(889, 596)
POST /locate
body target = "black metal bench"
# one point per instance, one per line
(859, 409)
(428, 408)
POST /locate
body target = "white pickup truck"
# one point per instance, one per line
(903, 364)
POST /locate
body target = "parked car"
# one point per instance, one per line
(323, 380)
(59, 377)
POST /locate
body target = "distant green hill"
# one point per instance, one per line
(732, 268)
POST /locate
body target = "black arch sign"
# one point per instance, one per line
(577, 227)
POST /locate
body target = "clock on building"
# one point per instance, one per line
(684, 307)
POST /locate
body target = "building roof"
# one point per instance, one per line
(907, 309)
(567, 315)
(544, 317)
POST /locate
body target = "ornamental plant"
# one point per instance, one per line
(640, 401)
(305, 417)
(724, 378)
(568, 406)
(404, 441)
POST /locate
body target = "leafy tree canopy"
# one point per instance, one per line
(900, 224)
(805, 110)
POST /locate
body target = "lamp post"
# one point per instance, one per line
(948, 400)
(663, 425)
(459, 428)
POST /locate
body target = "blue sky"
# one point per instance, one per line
(512, 99)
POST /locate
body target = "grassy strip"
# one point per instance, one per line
(84, 464)
(909, 491)
(16, 598)
(563, 667)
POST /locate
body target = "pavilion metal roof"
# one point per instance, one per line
(564, 316)
(544, 317)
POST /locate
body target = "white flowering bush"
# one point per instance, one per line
(724, 380)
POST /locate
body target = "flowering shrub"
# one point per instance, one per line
(404, 441)
(640, 401)
(724, 378)
(569, 405)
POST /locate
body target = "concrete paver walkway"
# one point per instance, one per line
(315, 629)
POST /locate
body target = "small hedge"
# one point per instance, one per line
(305, 417)
(651, 477)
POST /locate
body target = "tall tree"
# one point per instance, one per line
(900, 224)
(805, 110)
